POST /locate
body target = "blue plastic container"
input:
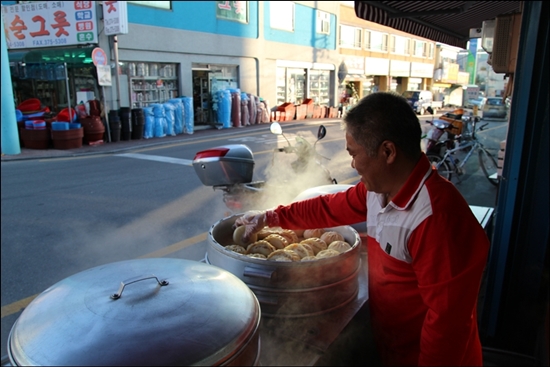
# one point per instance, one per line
(60, 126)
(74, 125)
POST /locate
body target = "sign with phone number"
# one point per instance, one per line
(50, 23)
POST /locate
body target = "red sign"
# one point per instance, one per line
(99, 56)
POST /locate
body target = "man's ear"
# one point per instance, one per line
(389, 150)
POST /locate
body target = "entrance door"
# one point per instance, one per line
(202, 97)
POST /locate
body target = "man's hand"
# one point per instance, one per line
(254, 221)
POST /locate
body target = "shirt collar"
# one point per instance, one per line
(414, 183)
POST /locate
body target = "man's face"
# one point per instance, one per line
(371, 169)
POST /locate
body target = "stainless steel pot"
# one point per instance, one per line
(290, 289)
(140, 312)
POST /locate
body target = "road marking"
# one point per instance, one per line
(16, 306)
(156, 158)
(21, 304)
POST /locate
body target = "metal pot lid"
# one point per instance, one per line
(123, 314)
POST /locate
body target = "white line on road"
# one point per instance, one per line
(184, 162)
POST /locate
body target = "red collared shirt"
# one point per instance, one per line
(426, 255)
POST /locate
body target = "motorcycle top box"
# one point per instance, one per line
(224, 165)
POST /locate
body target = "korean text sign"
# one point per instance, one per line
(115, 17)
(50, 23)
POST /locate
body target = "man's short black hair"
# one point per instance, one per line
(385, 116)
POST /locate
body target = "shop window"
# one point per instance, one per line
(282, 15)
(319, 87)
(150, 82)
(350, 36)
(323, 22)
(376, 41)
(291, 85)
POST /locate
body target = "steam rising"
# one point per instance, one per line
(283, 183)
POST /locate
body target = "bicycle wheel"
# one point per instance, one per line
(488, 165)
(442, 166)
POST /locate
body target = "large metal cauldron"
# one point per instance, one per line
(290, 289)
(161, 312)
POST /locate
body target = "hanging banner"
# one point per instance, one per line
(232, 10)
(50, 23)
(115, 17)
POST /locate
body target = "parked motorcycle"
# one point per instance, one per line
(454, 124)
(230, 169)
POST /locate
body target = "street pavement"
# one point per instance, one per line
(475, 189)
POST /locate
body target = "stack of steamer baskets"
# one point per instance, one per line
(299, 288)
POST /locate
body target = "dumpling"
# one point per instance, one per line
(290, 235)
(340, 246)
(236, 248)
(257, 256)
(266, 231)
(301, 249)
(299, 232)
(316, 244)
(309, 258)
(331, 236)
(238, 237)
(278, 241)
(327, 253)
(260, 247)
(283, 255)
(308, 233)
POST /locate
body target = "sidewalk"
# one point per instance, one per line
(123, 145)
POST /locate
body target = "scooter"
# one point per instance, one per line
(230, 169)
(455, 124)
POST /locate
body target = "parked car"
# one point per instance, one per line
(479, 102)
(420, 100)
(495, 107)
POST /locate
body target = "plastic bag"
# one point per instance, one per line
(170, 116)
(149, 122)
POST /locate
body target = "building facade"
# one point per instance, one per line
(280, 51)
(378, 58)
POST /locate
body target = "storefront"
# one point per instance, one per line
(297, 81)
(49, 49)
(377, 71)
(49, 74)
(208, 79)
(150, 82)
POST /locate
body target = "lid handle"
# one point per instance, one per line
(139, 278)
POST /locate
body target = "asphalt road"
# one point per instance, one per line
(62, 216)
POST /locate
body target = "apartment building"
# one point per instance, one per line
(378, 58)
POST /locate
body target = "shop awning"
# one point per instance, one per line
(447, 22)
(72, 56)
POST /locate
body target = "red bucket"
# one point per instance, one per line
(63, 116)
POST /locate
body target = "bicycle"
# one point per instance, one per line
(447, 164)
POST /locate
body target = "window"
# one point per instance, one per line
(282, 15)
(350, 36)
(419, 48)
(376, 41)
(154, 4)
(399, 45)
(323, 22)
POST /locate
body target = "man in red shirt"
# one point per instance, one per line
(426, 250)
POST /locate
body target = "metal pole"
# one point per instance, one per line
(108, 126)
(117, 77)
(68, 93)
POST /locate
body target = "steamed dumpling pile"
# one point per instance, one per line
(278, 244)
